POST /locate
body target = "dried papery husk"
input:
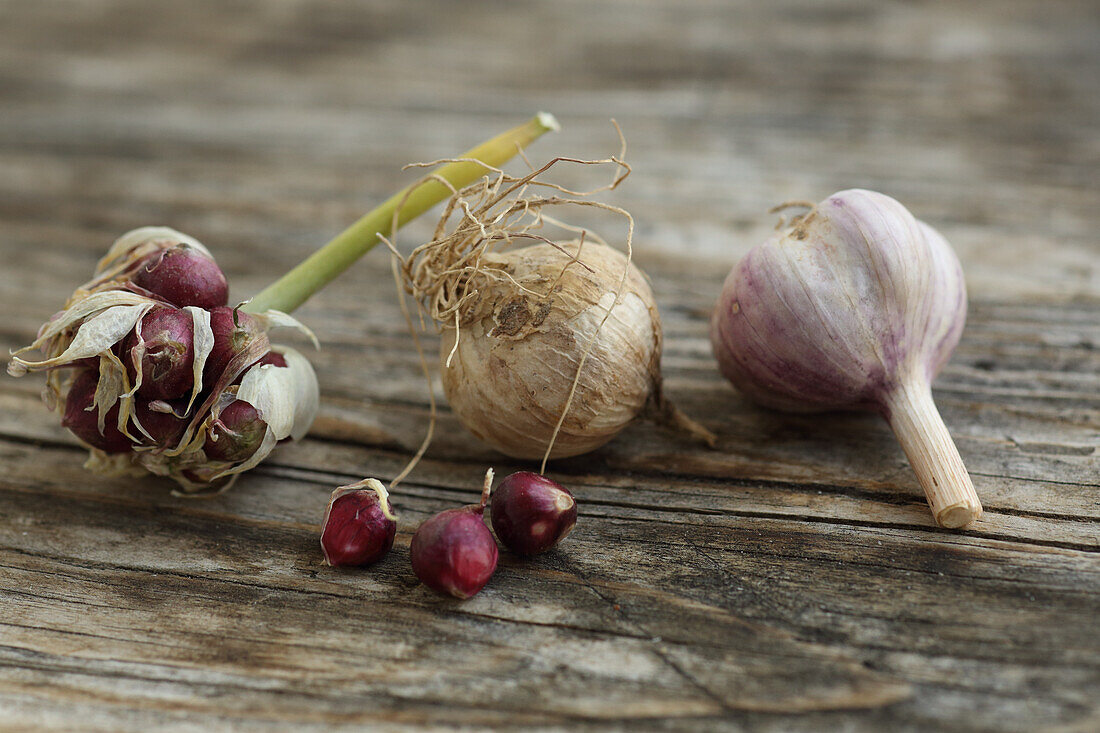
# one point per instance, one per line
(547, 350)
(202, 344)
(82, 329)
(88, 328)
(287, 397)
(367, 484)
(141, 242)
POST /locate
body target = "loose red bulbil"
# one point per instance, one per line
(359, 525)
(531, 513)
(454, 553)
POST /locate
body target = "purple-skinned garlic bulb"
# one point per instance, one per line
(857, 305)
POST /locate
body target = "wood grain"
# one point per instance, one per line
(790, 580)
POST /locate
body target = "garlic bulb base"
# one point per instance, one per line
(932, 453)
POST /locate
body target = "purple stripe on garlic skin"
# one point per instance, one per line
(857, 306)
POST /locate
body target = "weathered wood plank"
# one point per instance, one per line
(790, 580)
(755, 569)
(247, 564)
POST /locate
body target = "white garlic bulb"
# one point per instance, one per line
(521, 343)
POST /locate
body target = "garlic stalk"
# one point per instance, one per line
(320, 268)
(858, 305)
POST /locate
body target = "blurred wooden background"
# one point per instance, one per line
(790, 580)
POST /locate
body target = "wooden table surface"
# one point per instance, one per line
(791, 579)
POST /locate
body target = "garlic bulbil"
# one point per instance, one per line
(146, 382)
(359, 524)
(858, 305)
(531, 514)
(453, 552)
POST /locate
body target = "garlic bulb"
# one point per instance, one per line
(521, 340)
(549, 349)
(857, 306)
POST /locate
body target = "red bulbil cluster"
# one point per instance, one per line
(162, 349)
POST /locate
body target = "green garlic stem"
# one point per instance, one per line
(322, 267)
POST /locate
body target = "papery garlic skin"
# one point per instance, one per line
(857, 306)
(831, 314)
(144, 241)
(509, 378)
(287, 397)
